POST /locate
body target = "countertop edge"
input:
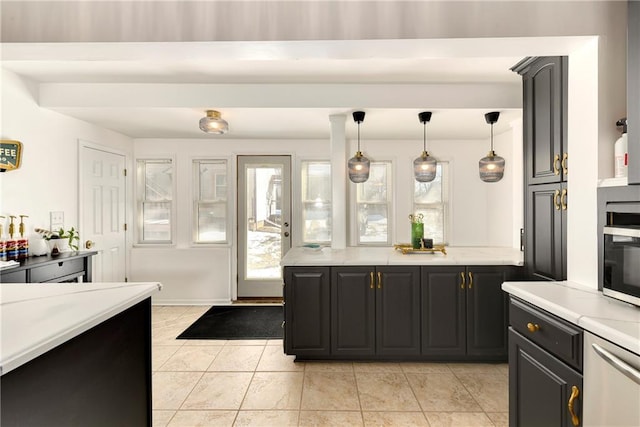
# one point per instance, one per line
(595, 324)
(38, 348)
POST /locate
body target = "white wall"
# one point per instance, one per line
(48, 178)
(193, 274)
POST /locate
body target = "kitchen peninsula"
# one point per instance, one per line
(378, 304)
(76, 354)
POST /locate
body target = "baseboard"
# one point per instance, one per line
(157, 301)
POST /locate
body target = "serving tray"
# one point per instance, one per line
(406, 248)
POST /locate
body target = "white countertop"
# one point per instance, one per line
(388, 256)
(608, 318)
(38, 317)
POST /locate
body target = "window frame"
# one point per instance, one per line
(300, 202)
(390, 203)
(446, 200)
(139, 194)
(195, 187)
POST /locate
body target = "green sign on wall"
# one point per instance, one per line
(10, 155)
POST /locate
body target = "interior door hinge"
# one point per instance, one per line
(125, 227)
(126, 279)
(125, 172)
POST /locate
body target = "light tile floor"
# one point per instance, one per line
(253, 383)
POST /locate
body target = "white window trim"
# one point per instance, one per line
(297, 205)
(391, 204)
(138, 242)
(231, 200)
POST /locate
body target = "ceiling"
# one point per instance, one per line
(275, 90)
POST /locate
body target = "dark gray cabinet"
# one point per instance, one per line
(66, 267)
(545, 369)
(306, 311)
(544, 83)
(633, 89)
(546, 231)
(464, 311)
(375, 310)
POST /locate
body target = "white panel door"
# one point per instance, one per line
(102, 212)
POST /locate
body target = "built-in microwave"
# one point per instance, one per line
(621, 272)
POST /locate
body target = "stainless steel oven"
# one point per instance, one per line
(621, 272)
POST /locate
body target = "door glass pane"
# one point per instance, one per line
(263, 208)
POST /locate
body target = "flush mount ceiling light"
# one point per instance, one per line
(492, 166)
(213, 123)
(358, 165)
(424, 167)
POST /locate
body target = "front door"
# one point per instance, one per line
(264, 223)
(102, 211)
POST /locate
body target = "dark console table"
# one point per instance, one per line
(66, 267)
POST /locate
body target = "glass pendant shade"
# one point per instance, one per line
(213, 123)
(359, 167)
(424, 168)
(491, 167)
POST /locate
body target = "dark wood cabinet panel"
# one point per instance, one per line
(545, 224)
(307, 302)
(353, 292)
(633, 89)
(540, 386)
(487, 311)
(398, 311)
(443, 311)
(544, 81)
(66, 267)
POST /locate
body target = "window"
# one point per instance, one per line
(210, 201)
(316, 202)
(373, 205)
(431, 200)
(155, 200)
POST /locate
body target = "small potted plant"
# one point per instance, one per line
(72, 236)
(61, 240)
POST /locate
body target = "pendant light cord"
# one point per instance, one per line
(491, 136)
(424, 137)
(358, 136)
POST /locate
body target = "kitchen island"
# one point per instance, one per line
(76, 354)
(364, 303)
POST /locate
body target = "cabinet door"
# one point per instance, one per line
(353, 291)
(306, 297)
(443, 310)
(545, 250)
(544, 105)
(487, 311)
(398, 311)
(540, 386)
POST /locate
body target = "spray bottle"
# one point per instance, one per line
(620, 151)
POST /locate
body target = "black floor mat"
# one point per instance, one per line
(237, 323)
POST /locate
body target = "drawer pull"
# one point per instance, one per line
(60, 264)
(371, 280)
(463, 280)
(470, 280)
(575, 392)
(533, 327)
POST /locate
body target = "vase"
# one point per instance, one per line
(417, 233)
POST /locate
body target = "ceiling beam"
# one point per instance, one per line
(140, 95)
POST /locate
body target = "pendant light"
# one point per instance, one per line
(492, 166)
(358, 165)
(213, 123)
(424, 167)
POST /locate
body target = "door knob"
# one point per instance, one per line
(88, 244)
(286, 234)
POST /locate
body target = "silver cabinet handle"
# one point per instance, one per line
(628, 371)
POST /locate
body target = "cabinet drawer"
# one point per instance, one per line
(555, 335)
(53, 272)
(14, 277)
